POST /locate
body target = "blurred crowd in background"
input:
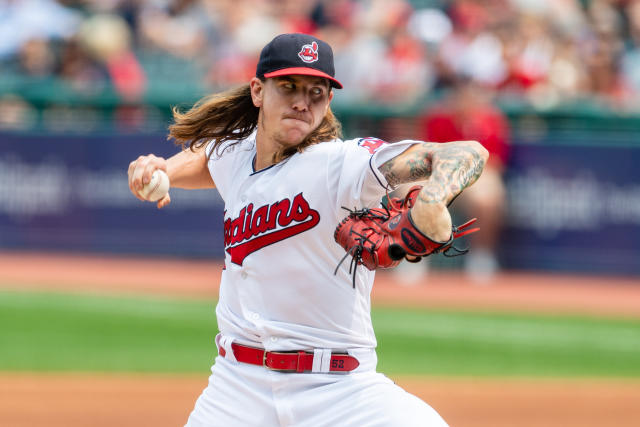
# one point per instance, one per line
(70, 66)
(387, 51)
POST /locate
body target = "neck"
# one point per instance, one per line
(265, 150)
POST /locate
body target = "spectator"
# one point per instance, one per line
(15, 113)
(36, 59)
(467, 114)
(544, 52)
(84, 74)
(630, 61)
(25, 20)
(179, 27)
(108, 39)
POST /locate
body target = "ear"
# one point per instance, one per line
(257, 91)
(329, 102)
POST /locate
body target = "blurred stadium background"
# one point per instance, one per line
(551, 87)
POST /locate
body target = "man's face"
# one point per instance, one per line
(291, 107)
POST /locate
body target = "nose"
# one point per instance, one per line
(300, 102)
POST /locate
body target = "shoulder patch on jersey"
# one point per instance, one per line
(371, 144)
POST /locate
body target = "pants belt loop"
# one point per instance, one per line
(326, 360)
(317, 360)
(321, 360)
(225, 342)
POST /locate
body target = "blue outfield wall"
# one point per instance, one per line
(70, 193)
(571, 207)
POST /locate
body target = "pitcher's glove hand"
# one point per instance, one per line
(382, 237)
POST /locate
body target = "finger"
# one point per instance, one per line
(149, 167)
(153, 163)
(164, 201)
(131, 172)
(131, 168)
(138, 171)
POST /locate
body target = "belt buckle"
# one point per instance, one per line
(275, 368)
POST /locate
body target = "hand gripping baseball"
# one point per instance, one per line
(380, 238)
(141, 173)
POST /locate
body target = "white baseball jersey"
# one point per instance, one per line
(278, 289)
(278, 292)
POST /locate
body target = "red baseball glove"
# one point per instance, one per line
(381, 238)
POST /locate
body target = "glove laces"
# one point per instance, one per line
(396, 204)
(356, 250)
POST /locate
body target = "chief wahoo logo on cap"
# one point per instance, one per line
(309, 52)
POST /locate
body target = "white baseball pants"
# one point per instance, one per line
(240, 395)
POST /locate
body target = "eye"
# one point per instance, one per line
(317, 91)
(288, 86)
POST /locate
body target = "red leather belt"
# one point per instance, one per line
(294, 361)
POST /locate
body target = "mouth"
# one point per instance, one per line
(298, 118)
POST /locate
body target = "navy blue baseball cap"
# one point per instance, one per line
(297, 54)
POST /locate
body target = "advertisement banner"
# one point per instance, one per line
(70, 193)
(574, 208)
(570, 207)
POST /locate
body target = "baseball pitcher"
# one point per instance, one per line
(304, 233)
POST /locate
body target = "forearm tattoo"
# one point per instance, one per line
(407, 167)
(447, 168)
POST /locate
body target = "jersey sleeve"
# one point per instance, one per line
(356, 177)
(222, 163)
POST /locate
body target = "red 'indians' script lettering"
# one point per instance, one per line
(253, 229)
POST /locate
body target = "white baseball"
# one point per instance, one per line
(157, 188)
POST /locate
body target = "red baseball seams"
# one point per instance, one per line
(239, 233)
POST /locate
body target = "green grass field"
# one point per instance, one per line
(70, 332)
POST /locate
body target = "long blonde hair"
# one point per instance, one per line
(231, 115)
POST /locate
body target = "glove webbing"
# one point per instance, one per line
(356, 251)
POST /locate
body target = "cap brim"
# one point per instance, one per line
(304, 71)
